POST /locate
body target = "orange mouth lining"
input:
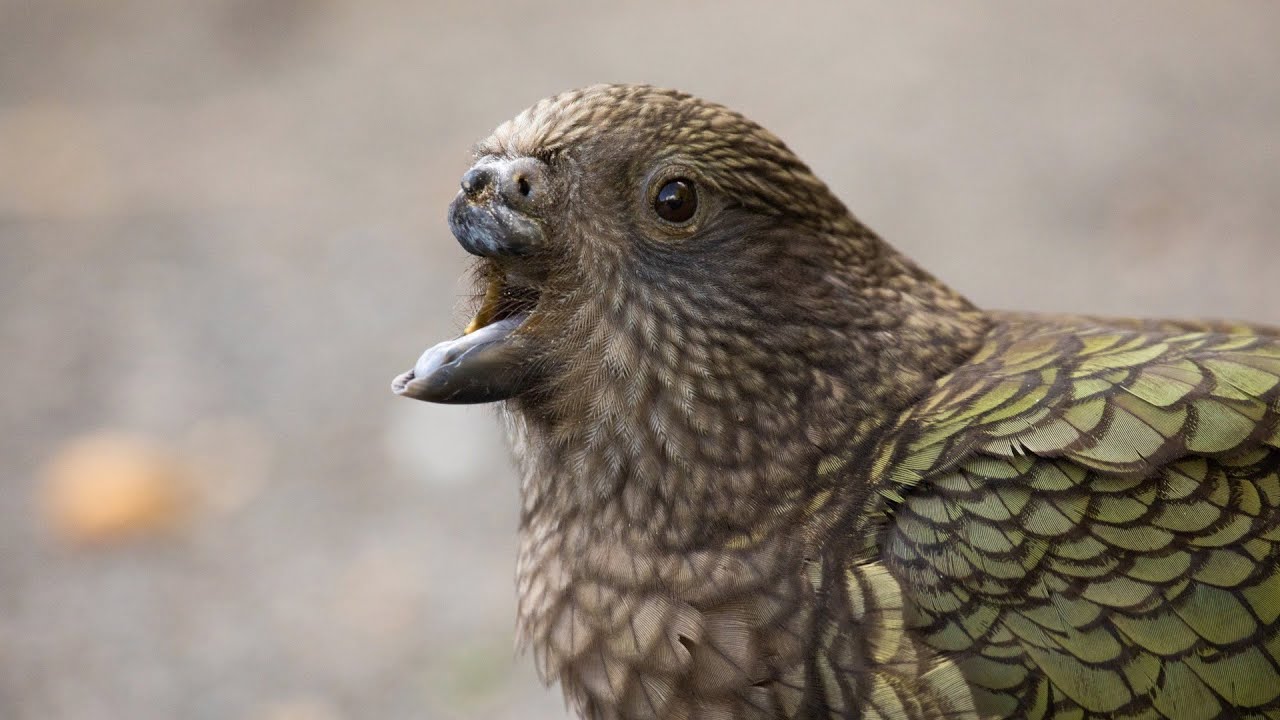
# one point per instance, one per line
(501, 301)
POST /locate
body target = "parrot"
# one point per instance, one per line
(771, 468)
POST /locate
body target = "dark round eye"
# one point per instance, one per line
(677, 201)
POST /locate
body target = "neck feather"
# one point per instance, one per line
(699, 403)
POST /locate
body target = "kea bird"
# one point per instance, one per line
(770, 468)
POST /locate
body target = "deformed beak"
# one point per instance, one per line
(487, 365)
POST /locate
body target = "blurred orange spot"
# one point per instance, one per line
(109, 485)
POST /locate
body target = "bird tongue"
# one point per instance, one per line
(485, 365)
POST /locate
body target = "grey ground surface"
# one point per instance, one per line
(221, 225)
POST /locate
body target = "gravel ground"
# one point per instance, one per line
(221, 229)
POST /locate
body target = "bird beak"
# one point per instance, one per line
(493, 359)
(483, 366)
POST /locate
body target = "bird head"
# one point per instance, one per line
(638, 243)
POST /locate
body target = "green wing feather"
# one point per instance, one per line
(1086, 521)
(868, 666)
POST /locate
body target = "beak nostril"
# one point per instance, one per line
(510, 181)
(475, 180)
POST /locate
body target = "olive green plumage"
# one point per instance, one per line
(1087, 520)
(770, 468)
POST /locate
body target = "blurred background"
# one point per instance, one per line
(222, 233)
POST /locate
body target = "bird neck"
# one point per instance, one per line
(699, 410)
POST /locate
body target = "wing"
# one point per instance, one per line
(1087, 522)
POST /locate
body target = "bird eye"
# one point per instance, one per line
(677, 201)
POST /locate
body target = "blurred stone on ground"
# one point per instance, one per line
(110, 485)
